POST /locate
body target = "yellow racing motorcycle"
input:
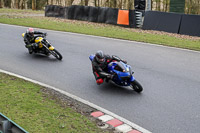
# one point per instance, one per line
(45, 47)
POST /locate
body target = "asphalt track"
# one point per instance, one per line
(170, 77)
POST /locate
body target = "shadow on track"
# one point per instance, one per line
(42, 57)
(114, 89)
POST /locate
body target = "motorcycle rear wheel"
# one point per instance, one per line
(136, 86)
(57, 54)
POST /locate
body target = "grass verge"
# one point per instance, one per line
(7, 10)
(96, 29)
(26, 104)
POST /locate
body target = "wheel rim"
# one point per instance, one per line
(136, 88)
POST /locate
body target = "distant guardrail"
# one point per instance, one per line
(131, 18)
(8, 126)
(153, 20)
(172, 22)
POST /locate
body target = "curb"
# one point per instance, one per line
(118, 123)
(115, 123)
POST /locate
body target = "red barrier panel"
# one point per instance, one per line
(123, 17)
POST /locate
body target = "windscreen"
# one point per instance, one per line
(119, 67)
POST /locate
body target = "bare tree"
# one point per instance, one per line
(120, 4)
(97, 2)
(191, 6)
(21, 4)
(12, 4)
(1, 3)
(113, 3)
(26, 4)
(17, 4)
(33, 4)
(124, 4)
(70, 2)
(130, 4)
(86, 2)
(166, 6)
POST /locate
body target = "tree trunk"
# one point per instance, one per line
(199, 7)
(1, 3)
(70, 2)
(107, 3)
(130, 4)
(95, 3)
(17, 4)
(12, 4)
(124, 4)
(86, 2)
(120, 4)
(21, 4)
(115, 3)
(65, 2)
(33, 5)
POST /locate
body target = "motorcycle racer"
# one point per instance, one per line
(29, 39)
(100, 65)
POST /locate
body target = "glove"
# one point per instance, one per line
(28, 45)
(45, 34)
(34, 45)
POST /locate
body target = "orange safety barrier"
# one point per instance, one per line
(123, 17)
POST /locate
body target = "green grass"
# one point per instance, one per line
(99, 30)
(7, 10)
(25, 104)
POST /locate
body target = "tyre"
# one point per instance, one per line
(136, 86)
(57, 54)
(47, 54)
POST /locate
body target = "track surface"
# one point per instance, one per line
(170, 77)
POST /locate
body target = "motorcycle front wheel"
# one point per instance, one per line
(136, 86)
(56, 54)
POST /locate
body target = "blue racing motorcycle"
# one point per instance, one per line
(123, 74)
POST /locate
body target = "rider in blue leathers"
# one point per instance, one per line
(100, 65)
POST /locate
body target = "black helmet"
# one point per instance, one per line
(30, 31)
(100, 57)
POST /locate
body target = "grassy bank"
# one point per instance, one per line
(26, 104)
(101, 30)
(7, 10)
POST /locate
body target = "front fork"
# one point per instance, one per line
(132, 79)
(49, 49)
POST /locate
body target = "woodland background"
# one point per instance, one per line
(191, 6)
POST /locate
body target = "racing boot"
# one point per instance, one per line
(29, 47)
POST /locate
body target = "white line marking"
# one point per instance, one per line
(81, 100)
